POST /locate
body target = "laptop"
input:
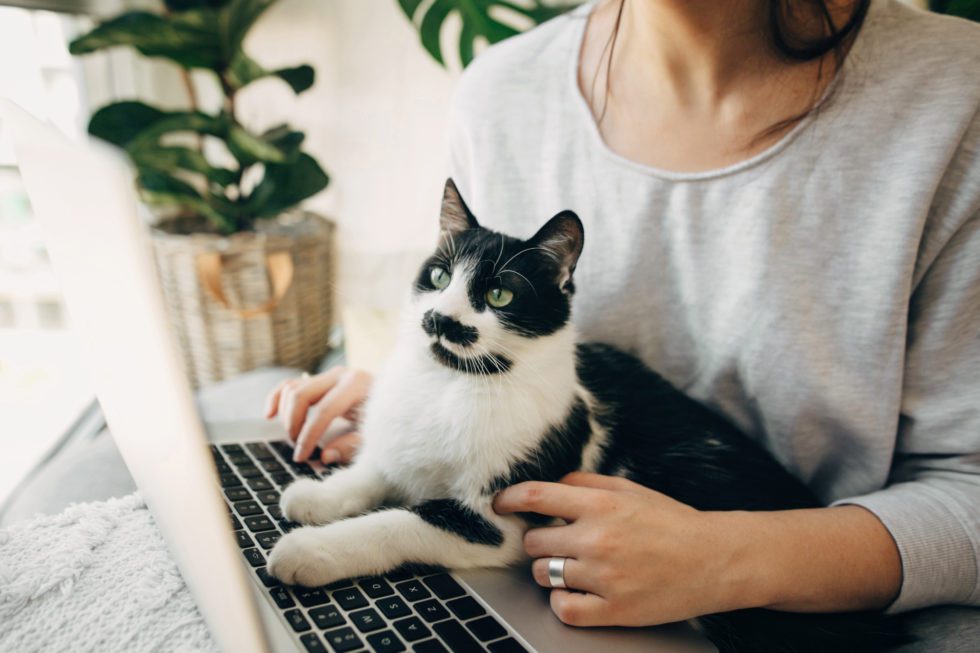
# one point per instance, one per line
(213, 489)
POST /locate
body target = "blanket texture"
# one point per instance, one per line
(98, 577)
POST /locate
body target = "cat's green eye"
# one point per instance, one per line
(439, 277)
(499, 297)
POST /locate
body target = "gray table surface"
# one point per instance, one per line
(91, 469)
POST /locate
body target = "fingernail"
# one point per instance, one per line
(330, 456)
(296, 458)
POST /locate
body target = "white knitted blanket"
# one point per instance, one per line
(98, 577)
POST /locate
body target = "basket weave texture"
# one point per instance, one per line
(237, 323)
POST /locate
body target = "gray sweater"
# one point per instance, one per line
(824, 295)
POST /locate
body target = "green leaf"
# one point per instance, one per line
(286, 185)
(237, 18)
(249, 149)
(285, 139)
(243, 70)
(161, 189)
(167, 159)
(122, 122)
(969, 9)
(477, 21)
(188, 38)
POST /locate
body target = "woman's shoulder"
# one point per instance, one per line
(919, 42)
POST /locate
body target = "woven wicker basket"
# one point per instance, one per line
(250, 299)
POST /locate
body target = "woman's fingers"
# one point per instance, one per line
(299, 394)
(552, 499)
(577, 575)
(580, 609)
(551, 541)
(348, 391)
(272, 401)
(341, 449)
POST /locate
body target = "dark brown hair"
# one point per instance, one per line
(785, 40)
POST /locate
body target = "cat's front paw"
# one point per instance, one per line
(316, 503)
(304, 557)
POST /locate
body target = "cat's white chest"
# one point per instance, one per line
(434, 432)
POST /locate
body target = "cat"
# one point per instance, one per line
(487, 387)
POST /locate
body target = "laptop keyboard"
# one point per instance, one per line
(425, 612)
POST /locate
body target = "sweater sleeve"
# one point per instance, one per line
(931, 505)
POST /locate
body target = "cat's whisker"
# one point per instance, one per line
(528, 281)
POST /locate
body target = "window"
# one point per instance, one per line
(43, 386)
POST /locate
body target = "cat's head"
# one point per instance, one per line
(482, 296)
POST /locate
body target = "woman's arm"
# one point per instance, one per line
(638, 557)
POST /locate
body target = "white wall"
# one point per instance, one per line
(377, 122)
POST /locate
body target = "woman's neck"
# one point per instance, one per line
(701, 49)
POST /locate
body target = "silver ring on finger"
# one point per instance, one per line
(556, 572)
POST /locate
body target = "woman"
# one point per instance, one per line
(782, 208)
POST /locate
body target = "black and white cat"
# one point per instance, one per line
(488, 387)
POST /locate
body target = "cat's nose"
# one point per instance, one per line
(444, 326)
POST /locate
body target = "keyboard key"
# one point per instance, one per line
(430, 646)
(466, 608)
(237, 494)
(275, 512)
(486, 629)
(247, 508)
(283, 479)
(284, 449)
(327, 617)
(268, 539)
(254, 557)
(268, 497)
(239, 459)
(282, 598)
(271, 466)
(376, 587)
(285, 525)
(310, 596)
(509, 645)
(267, 579)
(312, 643)
(250, 471)
(456, 636)
(259, 484)
(235, 524)
(444, 586)
(393, 607)
(229, 480)
(297, 620)
(244, 541)
(367, 620)
(386, 642)
(259, 523)
(260, 450)
(431, 610)
(412, 629)
(231, 448)
(302, 469)
(223, 467)
(413, 590)
(350, 599)
(342, 639)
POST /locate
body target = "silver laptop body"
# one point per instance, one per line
(84, 199)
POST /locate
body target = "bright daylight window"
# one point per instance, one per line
(43, 386)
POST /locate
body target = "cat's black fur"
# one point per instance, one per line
(659, 437)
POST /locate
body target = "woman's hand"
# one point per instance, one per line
(308, 405)
(635, 557)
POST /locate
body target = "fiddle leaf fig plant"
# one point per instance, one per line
(481, 19)
(173, 172)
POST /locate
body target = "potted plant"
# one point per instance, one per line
(247, 276)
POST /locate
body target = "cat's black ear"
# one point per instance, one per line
(562, 238)
(455, 216)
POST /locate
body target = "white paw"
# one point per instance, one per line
(312, 557)
(312, 502)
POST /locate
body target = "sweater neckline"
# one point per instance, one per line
(584, 112)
